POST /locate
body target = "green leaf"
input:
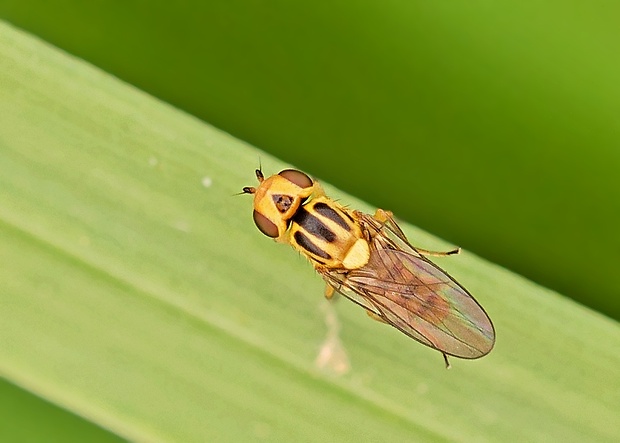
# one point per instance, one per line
(136, 292)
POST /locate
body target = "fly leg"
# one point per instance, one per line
(438, 254)
(445, 358)
(375, 316)
(329, 291)
(386, 218)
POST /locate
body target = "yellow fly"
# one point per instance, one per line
(369, 260)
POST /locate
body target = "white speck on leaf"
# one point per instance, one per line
(332, 356)
(182, 226)
(207, 182)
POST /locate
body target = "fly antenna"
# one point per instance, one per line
(246, 190)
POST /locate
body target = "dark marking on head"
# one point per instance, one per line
(303, 241)
(283, 202)
(327, 211)
(313, 225)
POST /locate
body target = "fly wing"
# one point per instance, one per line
(414, 295)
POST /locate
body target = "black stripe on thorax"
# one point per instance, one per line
(303, 241)
(328, 212)
(312, 225)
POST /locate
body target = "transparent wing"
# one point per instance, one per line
(414, 295)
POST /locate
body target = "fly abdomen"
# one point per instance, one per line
(324, 232)
(303, 241)
(327, 211)
(313, 226)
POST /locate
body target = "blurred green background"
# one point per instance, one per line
(493, 125)
(33, 419)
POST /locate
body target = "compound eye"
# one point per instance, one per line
(297, 177)
(265, 225)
